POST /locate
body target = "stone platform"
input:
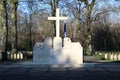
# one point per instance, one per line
(70, 54)
(31, 64)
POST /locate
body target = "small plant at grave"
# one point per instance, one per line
(27, 54)
(99, 56)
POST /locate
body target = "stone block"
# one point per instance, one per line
(15, 56)
(67, 41)
(111, 57)
(118, 56)
(48, 42)
(71, 54)
(21, 56)
(0, 56)
(115, 56)
(106, 56)
(57, 43)
(74, 53)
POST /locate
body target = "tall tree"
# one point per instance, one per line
(89, 8)
(2, 24)
(14, 5)
(77, 9)
(30, 8)
(3, 29)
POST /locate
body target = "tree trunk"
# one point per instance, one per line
(14, 5)
(6, 43)
(2, 25)
(30, 34)
(3, 35)
(79, 35)
(89, 8)
(30, 6)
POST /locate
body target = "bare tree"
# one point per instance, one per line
(2, 25)
(14, 5)
(3, 29)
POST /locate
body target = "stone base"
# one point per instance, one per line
(57, 43)
(31, 64)
(70, 55)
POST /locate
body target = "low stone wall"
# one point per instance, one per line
(109, 55)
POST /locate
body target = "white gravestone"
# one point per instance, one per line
(0, 56)
(42, 51)
(15, 56)
(21, 56)
(48, 42)
(111, 57)
(67, 41)
(18, 56)
(71, 53)
(118, 56)
(106, 56)
(57, 43)
(115, 56)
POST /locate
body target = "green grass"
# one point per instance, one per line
(99, 56)
(116, 61)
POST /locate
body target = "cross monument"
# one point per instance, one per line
(57, 18)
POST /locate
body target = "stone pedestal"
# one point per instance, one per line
(118, 56)
(106, 56)
(111, 57)
(71, 54)
(57, 43)
(73, 51)
(115, 57)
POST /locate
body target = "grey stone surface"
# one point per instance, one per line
(77, 69)
(95, 69)
(10, 68)
(2, 70)
(57, 70)
(109, 65)
(71, 54)
(37, 70)
(16, 71)
(113, 69)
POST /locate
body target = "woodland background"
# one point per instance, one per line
(94, 23)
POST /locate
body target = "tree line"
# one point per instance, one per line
(22, 23)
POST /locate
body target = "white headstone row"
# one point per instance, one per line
(15, 56)
(112, 56)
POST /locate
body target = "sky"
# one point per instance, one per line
(114, 17)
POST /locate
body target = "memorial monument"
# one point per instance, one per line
(71, 54)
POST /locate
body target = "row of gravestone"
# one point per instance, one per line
(109, 55)
(112, 56)
(19, 55)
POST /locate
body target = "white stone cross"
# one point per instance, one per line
(57, 18)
